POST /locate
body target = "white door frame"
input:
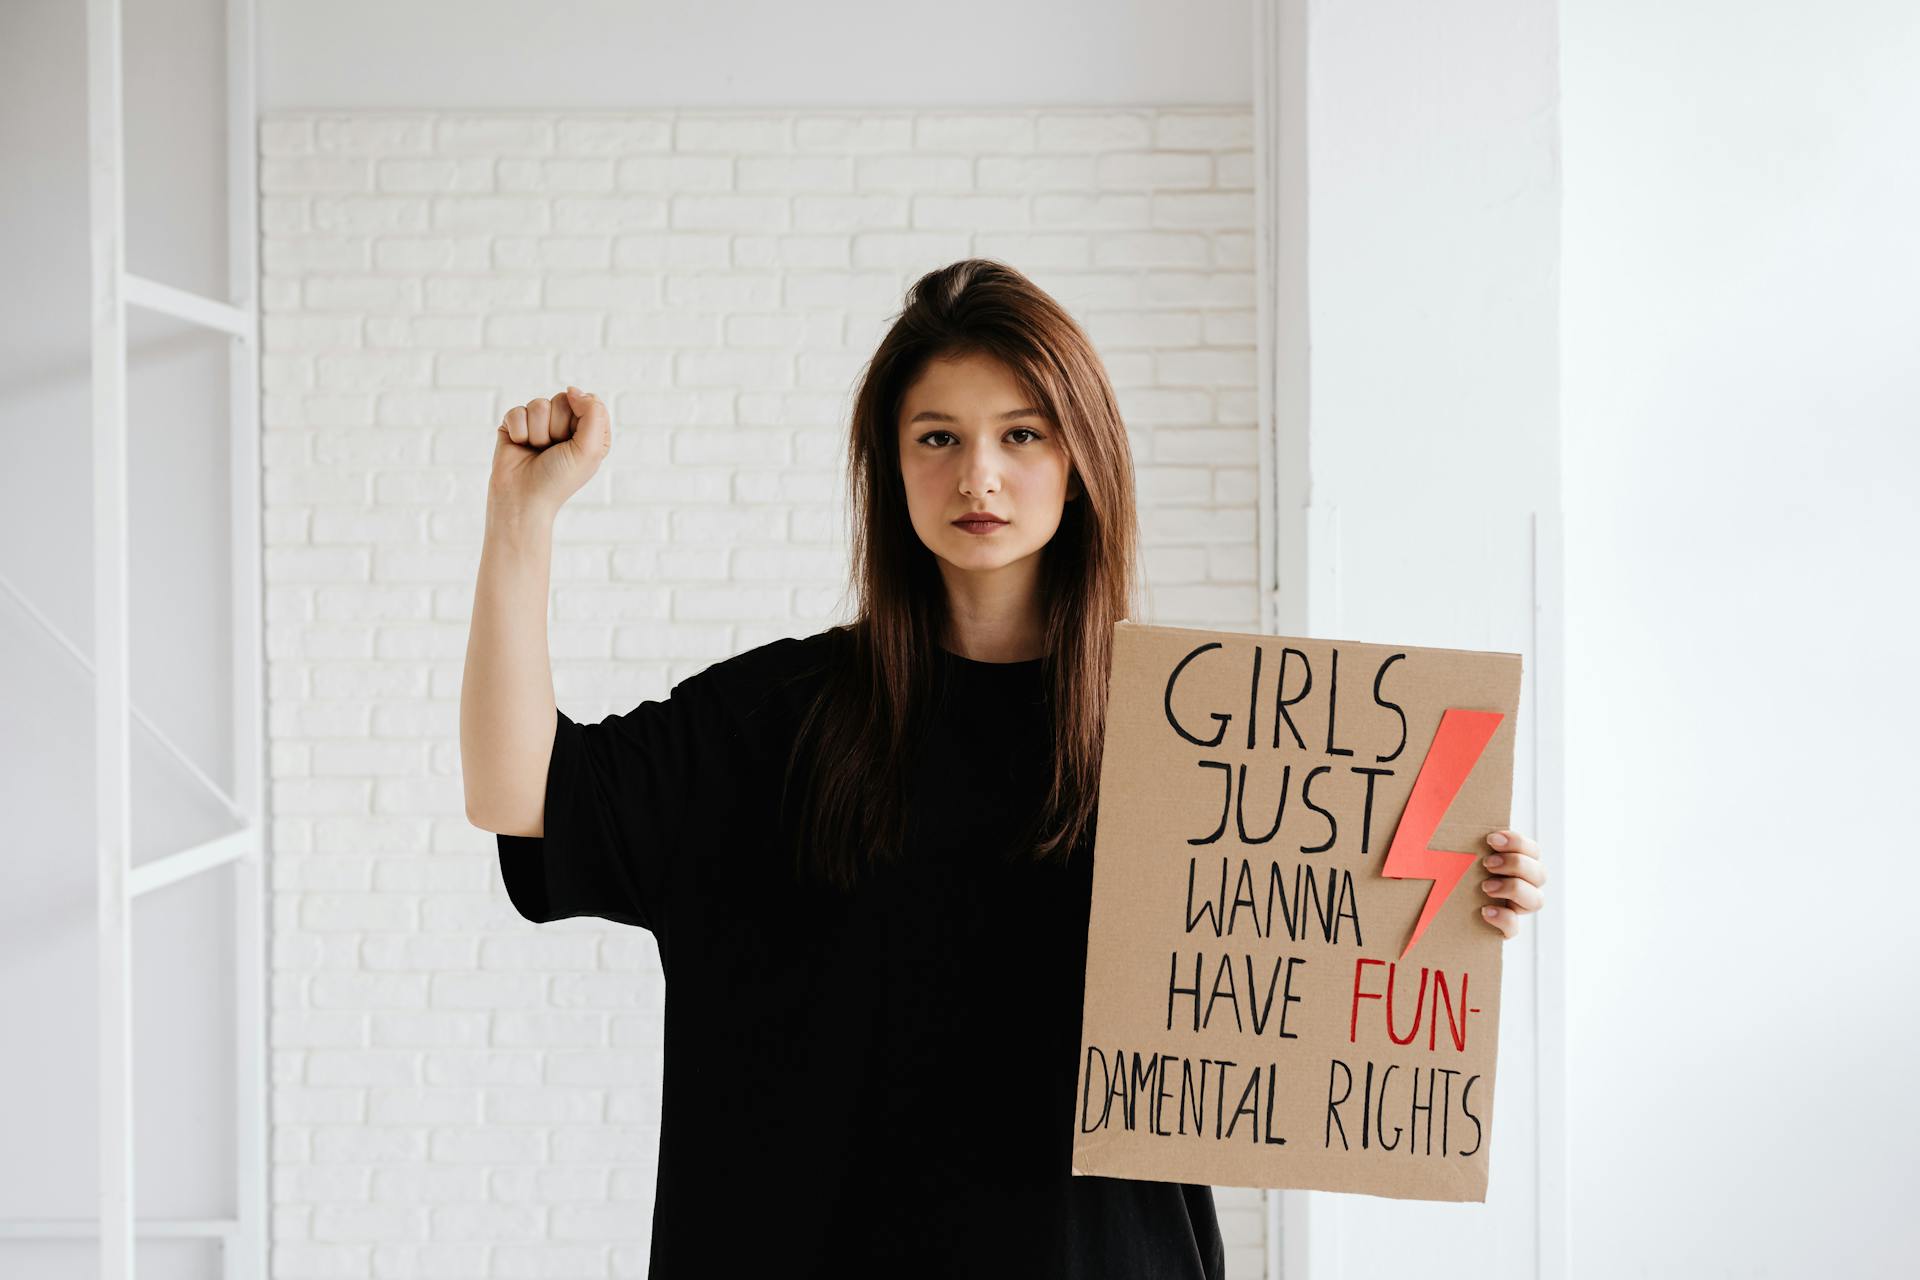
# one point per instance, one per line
(1300, 595)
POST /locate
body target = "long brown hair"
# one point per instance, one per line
(860, 735)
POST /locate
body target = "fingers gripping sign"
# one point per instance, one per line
(1519, 886)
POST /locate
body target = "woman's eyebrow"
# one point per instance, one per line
(934, 415)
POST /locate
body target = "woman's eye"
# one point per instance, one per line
(1029, 430)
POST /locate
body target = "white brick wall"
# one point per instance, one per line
(458, 1092)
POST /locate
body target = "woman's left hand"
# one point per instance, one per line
(1518, 885)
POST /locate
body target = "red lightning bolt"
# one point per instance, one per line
(1456, 748)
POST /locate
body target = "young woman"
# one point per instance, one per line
(866, 854)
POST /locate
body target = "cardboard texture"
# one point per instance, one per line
(1289, 981)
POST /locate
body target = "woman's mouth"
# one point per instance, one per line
(981, 524)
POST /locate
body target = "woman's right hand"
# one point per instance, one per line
(545, 450)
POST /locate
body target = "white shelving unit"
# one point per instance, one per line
(243, 1236)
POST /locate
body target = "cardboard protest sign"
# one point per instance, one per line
(1289, 981)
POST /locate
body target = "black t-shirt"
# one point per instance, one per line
(874, 1081)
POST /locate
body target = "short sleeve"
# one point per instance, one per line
(621, 795)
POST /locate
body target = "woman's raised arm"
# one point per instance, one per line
(543, 452)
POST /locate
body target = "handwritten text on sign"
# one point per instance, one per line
(1288, 984)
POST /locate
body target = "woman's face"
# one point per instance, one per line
(972, 441)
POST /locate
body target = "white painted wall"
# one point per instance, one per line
(573, 55)
(458, 1090)
(1742, 407)
(1424, 342)
(618, 58)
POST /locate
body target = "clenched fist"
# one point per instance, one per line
(545, 450)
